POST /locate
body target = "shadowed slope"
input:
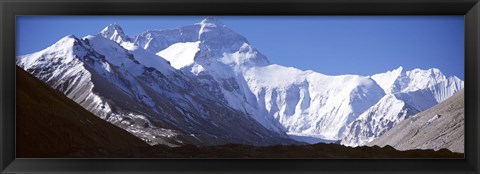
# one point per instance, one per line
(51, 125)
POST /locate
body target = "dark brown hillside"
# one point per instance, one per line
(51, 125)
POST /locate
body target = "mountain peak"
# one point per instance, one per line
(211, 22)
(399, 69)
(67, 40)
(70, 36)
(114, 32)
(112, 28)
(433, 72)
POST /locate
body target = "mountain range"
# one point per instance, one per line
(206, 84)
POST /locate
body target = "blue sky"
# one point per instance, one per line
(333, 45)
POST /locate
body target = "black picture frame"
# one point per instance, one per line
(9, 9)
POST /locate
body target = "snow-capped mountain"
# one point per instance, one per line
(376, 121)
(281, 99)
(115, 32)
(206, 83)
(216, 56)
(408, 92)
(311, 104)
(140, 92)
(301, 103)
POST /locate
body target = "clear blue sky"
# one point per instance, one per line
(332, 45)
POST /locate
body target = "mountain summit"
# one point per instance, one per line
(114, 32)
(211, 22)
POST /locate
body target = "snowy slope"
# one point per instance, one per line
(179, 53)
(140, 92)
(71, 67)
(376, 121)
(306, 102)
(59, 65)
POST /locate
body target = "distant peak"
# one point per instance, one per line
(70, 36)
(112, 28)
(435, 70)
(66, 41)
(429, 71)
(114, 32)
(67, 38)
(211, 22)
(400, 68)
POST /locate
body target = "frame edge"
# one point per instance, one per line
(472, 53)
(8, 42)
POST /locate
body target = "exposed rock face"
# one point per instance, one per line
(441, 126)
